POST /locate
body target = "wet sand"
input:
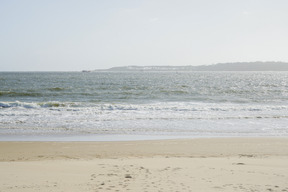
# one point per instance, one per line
(219, 164)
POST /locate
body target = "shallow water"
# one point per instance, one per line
(146, 104)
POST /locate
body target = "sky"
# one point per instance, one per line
(74, 35)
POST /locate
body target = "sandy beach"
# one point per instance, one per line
(218, 164)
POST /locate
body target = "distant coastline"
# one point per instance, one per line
(238, 66)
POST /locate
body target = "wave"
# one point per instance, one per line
(26, 105)
(56, 89)
(17, 94)
(29, 93)
(162, 106)
(158, 118)
(191, 107)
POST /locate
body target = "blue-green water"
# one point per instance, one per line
(196, 104)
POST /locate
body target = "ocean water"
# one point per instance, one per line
(142, 105)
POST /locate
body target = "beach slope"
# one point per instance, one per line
(221, 164)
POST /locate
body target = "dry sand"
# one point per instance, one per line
(223, 164)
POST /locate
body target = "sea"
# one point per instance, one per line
(113, 106)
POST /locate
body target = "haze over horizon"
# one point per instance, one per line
(72, 35)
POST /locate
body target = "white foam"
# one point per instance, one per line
(173, 118)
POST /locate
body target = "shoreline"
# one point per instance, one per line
(195, 147)
(205, 165)
(118, 137)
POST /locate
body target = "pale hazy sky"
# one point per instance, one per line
(69, 35)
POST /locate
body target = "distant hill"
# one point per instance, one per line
(239, 66)
(246, 66)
